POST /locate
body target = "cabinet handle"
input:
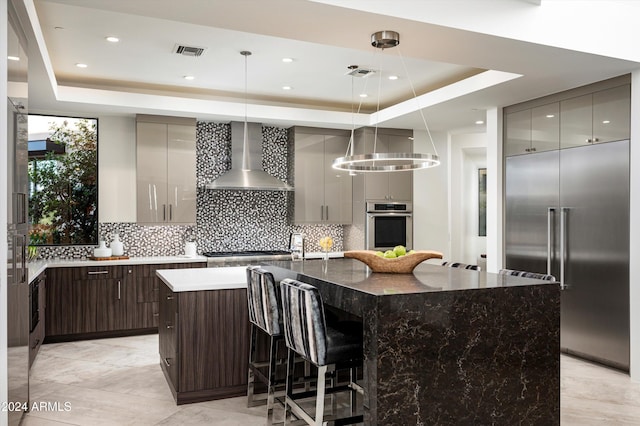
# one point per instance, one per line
(321, 212)
(156, 314)
(169, 326)
(170, 212)
(533, 150)
(596, 140)
(327, 212)
(98, 272)
(589, 141)
(167, 363)
(119, 293)
(169, 297)
(164, 212)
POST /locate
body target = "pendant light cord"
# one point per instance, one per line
(415, 96)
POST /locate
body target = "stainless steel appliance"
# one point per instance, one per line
(244, 257)
(567, 213)
(388, 224)
(18, 309)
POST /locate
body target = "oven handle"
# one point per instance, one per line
(390, 214)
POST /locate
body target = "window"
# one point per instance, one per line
(63, 180)
(482, 202)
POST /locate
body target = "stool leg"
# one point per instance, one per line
(320, 388)
(353, 375)
(251, 378)
(272, 380)
(289, 386)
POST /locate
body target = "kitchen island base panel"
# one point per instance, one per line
(473, 357)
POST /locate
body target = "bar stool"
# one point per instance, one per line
(461, 265)
(325, 346)
(526, 274)
(265, 313)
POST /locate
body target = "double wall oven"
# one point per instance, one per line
(388, 224)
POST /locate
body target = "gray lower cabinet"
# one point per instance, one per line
(204, 343)
(101, 301)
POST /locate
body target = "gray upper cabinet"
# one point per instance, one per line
(532, 130)
(392, 186)
(601, 116)
(166, 169)
(322, 194)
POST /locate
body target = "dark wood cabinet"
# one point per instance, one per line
(145, 313)
(103, 300)
(38, 307)
(203, 342)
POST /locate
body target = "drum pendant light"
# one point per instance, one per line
(388, 161)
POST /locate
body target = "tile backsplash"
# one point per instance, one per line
(225, 220)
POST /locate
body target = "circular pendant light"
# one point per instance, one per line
(387, 161)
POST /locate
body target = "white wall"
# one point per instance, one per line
(495, 246)
(430, 197)
(467, 155)
(116, 169)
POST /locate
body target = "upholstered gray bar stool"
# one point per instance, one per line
(461, 265)
(328, 347)
(526, 274)
(265, 313)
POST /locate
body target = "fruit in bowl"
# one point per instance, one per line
(390, 262)
(326, 243)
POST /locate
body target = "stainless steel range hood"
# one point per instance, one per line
(246, 162)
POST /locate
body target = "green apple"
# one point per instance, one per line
(389, 254)
(400, 250)
(411, 251)
(379, 253)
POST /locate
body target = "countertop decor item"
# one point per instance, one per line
(117, 248)
(102, 250)
(399, 265)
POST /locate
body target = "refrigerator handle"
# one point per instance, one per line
(563, 229)
(550, 214)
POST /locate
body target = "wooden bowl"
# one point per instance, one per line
(399, 265)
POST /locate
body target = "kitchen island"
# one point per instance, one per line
(448, 346)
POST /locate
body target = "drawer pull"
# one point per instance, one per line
(156, 314)
(169, 297)
(166, 361)
(169, 326)
(98, 272)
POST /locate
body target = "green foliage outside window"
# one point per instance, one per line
(63, 199)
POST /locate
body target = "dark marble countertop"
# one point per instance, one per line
(425, 278)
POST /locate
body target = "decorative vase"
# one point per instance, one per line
(117, 248)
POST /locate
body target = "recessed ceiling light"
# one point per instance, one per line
(287, 60)
(286, 87)
(364, 95)
(479, 122)
(550, 115)
(606, 121)
(81, 65)
(13, 58)
(393, 77)
(189, 77)
(112, 39)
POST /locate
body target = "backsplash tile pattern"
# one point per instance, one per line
(138, 240)
(225, 220)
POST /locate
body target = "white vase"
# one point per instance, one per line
(117, 248)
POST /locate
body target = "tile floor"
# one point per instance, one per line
(119, 382)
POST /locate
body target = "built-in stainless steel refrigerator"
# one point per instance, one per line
(567, 214)
(18, 304)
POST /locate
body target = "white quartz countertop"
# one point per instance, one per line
(37, 267)
(198, 279)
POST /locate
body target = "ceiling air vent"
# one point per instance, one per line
(360, 72)
(188, 50)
